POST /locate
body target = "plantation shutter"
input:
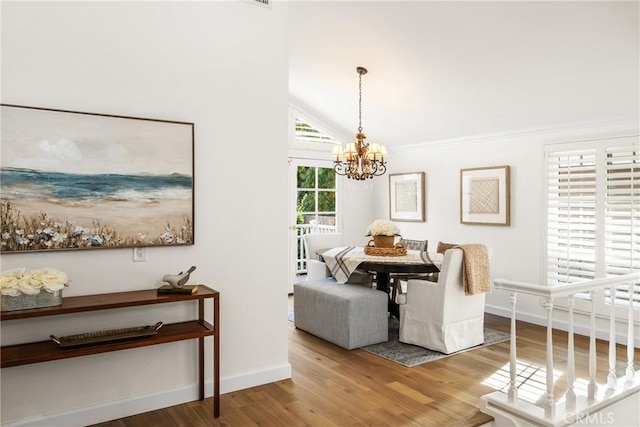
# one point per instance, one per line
(571, 216)
(622, 217)
(306, 132)
(593, 214)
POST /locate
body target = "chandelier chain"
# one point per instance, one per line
(360, 104)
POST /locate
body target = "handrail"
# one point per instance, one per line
(564, 290)
(510, 408)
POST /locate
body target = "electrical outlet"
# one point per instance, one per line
(139, 254)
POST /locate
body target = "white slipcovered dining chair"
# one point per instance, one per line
(438, 315)
(317, 269)
(396, 278)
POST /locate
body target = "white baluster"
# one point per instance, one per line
(571, 368)
(593, 386)
(611, 378)
(513, 390)
(549, 404)
(630, 338)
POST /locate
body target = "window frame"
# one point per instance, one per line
(320, 126)
(316, 190)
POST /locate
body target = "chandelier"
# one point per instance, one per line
(360, 160)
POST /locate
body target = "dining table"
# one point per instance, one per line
(343, 261)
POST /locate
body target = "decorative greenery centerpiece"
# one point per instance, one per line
(383, 232)
(22, 289)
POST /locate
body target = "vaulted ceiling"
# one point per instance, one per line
(450, 69)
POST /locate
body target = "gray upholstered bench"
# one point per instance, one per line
(350, 316)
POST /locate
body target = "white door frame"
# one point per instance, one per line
(294, 163)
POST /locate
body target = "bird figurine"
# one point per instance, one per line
(178, 280)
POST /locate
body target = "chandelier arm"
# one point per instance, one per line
(340, 168)
(381, 168)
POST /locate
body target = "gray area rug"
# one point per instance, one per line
(411, 355)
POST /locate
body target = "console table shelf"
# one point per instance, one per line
(44, 351)
(108, 301)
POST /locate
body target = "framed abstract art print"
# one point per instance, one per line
(407, 197)
(484, 196)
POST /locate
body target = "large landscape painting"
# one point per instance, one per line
(74, 180)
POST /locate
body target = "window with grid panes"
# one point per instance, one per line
(593, 213)
(316, 195)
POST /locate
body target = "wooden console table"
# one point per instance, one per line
(44, 351)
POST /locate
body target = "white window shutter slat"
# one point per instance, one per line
(571, 187)
(308, 133)
(622, 216)
(593, 213)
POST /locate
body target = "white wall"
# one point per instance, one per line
(518, 248)
(222, 65)
(360, 202)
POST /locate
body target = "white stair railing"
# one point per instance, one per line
(574, 406)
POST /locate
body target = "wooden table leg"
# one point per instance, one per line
(216, 357)
(201, 368)
(201, 352)
(383, 280)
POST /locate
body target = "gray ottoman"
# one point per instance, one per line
(350, 316)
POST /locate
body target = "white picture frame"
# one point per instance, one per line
(407, 197)
(485, 196)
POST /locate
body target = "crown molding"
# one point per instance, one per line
(626, 126)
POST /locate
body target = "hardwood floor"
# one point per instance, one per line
(335, 387)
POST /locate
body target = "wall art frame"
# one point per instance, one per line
(74, 180)
(407, 197)
(485, 196)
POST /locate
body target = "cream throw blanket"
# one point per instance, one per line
(475, 268)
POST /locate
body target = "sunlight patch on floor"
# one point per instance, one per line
(530, 381)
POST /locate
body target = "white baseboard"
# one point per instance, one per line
(557, 324)
(121, 408)
(505, 312)
(255, 378)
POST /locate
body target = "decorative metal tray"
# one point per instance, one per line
(107, 336)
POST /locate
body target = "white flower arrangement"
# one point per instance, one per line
(19, 281)
(382, 227)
